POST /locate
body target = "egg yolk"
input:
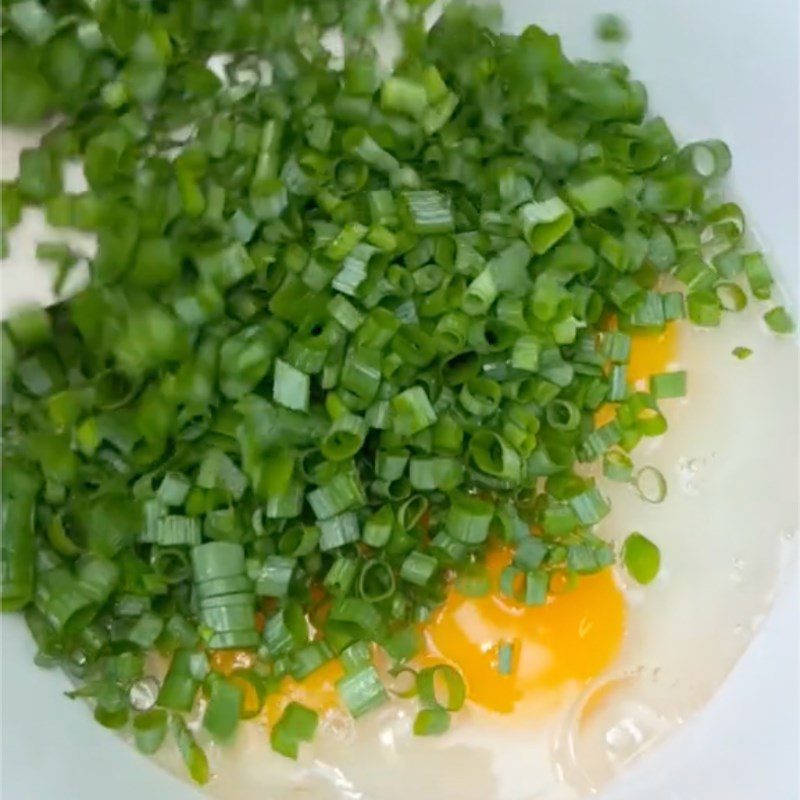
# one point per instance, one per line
(316, 691)
(650, 355)
(573, 637)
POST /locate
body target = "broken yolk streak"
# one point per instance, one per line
(573, 637)
(650, 355)
(317, 690)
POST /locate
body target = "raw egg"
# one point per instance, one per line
(573, 637)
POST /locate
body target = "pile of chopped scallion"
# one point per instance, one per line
(346, 328)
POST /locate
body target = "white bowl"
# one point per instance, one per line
(715, 69)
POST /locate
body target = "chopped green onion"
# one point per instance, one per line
(758, 275)
(431, 722)
(429, 212)
(778, 320)
(297, 724)
(617, 466)
(150, 730)
(193, 755)
(418, 568)
(590, 506)
(641, 557)
(441, 687)
(610, 28)
(544, 223)
(412, 411)
(224, 710)
(362, 691)
(650, 485)
(505, 658)
(731, 296)
(274, 576)
(291, 387)
(338, 531)
(668, 384)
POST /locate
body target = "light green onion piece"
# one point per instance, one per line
(150, 730)
(274, 576)
(441, 686)
(650, 485)
(473, 581)
(404, 682)
(758, 275)
(193, 755)
(429, 212)
(378, 528)
(590, 506)
(778, 320)
(291, 387)
(418, 568)
(505, 658)
(357, 656)
(362, 691)
(297, 724)
(224, 710)
(544, 223)
(641, 557)
(617, 466)
(345, 437)
(596, 194)
(668, 385)
(338, 531)
(469, 518)
(431, 722)
(731, 296)
(412, 411)
(377, 581)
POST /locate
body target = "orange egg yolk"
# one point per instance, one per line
(650, 355)
(573, 637)
(316, 691)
